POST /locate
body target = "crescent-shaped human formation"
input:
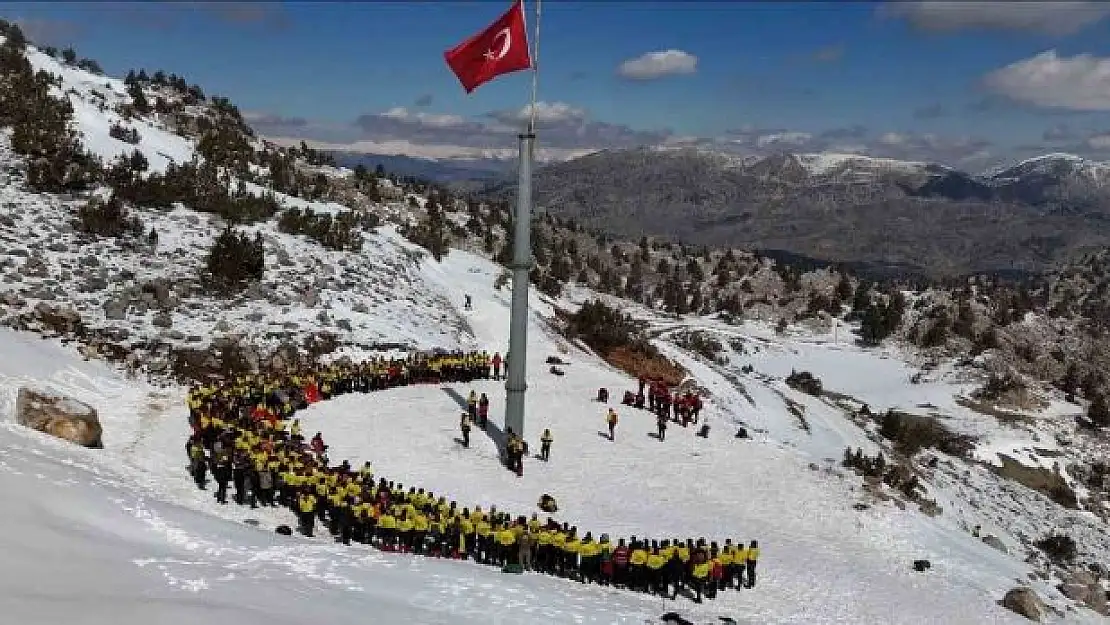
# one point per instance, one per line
(244, 431)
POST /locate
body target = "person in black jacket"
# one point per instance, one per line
(464, 427)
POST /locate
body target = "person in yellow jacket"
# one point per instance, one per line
(420, 527)
(404, 531)
(543, 536)
(306, 512)
(483, 531)
(570, 554)
(555, 551)
(752, 558)
(699, 572)
(657, 582)
(637, 567)
(387, 529)
(728, 572)
(506, 540)
(740, 563)
(466, 534)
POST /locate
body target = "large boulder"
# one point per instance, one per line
(60, 416)
(1025, 602)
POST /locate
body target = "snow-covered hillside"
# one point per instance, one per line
(122, 534)
(135, 503)
(93, 98)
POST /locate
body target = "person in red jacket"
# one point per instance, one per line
(496, 362)
(483, 411)
(317, 444)
(620, 564)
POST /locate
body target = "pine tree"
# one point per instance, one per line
(1099, 412)
(844, 289)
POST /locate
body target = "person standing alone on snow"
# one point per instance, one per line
(472, 405)
(496, 362)
(545, 445)
(483, 410)
(464, 427)
(468, 304)
(611, 419)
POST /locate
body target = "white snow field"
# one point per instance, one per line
(123, 530)
(823, 562)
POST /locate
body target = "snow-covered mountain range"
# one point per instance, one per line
(123, 323)
(892, 215)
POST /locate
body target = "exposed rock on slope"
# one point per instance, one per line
(59, 416)
(1025, 602)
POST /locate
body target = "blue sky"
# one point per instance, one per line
(967, 82)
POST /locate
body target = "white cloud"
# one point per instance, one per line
(431, 150)
(783, 138)
(1080, 83)
(1050, 18)
(546, 112)
(564, 131)
(1099, 142)
(654, 65)
(402, 114)
(892, 138)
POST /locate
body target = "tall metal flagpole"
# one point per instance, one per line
(517, 383)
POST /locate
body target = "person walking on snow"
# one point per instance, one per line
(483, 411)
(661, 426)
(472, 405)
(545, 445)
(468, 304)
(464, 427)
(611, 420)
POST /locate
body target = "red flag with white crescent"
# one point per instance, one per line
(500, 49)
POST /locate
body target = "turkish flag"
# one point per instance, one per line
(501, 48)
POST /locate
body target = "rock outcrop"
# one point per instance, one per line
(1081, 586)
(1025, 602)
(60, 416)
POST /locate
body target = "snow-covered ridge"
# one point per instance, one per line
(1052, 164)
(817, 164)
(825, 163)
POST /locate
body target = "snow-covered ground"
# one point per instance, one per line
(131, 507)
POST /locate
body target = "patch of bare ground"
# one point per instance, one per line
(1049, 483)
(990, 410)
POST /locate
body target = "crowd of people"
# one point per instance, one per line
(245, 433)
(683, 408)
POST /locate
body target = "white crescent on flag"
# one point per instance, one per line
(507, 42)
